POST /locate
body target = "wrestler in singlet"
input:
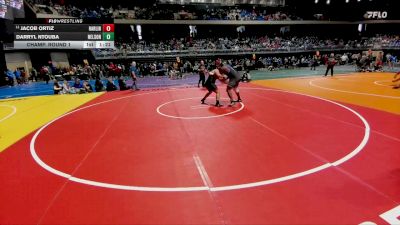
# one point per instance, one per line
(212, 87)
(233, 76)
(210, 82)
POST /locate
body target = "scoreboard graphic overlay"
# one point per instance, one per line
(63, 34)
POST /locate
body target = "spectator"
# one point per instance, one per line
(98, 85)
(66, 88)
(78, 87)
(110, 86)
(87, 87)
(344, 59)
(10, 77)
(34, 75)
(122, 84)
(57, 88)
(246, 76)
(18, 76)
(45, 74)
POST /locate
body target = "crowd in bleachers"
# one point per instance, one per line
(160, 12)
(254, 44)
(110, 76)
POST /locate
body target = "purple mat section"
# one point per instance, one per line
(148, 82)
(159, 82)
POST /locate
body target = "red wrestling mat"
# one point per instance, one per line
(160, 157)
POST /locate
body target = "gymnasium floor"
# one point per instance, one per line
(299, 150)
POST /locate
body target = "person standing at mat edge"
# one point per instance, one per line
(134, 72)
(330, 64)
(234, 80)
(202, 74)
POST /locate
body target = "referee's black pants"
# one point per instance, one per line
(329, 68)
(202, 80)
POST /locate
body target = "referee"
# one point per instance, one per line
(330, 64)
(202, 74)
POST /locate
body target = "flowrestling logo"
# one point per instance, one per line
(375, 15)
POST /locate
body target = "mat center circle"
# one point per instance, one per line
(192, 109)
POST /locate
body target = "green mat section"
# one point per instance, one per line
(297, 72)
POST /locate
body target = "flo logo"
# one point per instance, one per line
(375, 15)
(391, 217)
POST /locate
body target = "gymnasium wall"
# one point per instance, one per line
(17, 60)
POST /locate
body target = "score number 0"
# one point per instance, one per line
(108, 27)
